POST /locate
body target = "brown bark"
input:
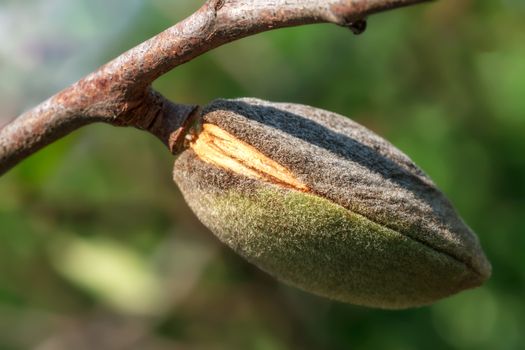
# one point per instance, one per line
(120, 93)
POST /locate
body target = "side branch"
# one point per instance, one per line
(119, 93)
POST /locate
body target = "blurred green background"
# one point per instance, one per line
(99, 251)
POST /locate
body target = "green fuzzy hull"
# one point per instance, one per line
(321, 247)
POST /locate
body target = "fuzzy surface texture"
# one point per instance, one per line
(372, 229)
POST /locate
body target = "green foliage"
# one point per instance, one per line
(444, 82)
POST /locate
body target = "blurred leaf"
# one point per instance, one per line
(113, 273)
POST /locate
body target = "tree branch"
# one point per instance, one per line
(119, 93)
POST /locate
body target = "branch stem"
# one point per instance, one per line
(119, 93)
